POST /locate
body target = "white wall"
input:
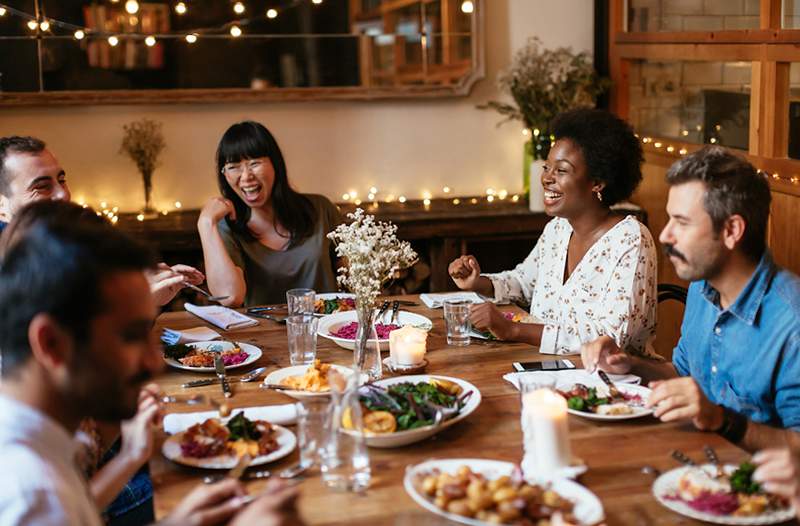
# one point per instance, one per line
(404, 147)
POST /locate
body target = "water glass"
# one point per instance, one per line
(301, 330)
(456, 319)
(300, 301)
(313, 430)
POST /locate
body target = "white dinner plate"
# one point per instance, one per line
(588, 509)
(666, 486)
(332, 322)
(410, 436)
(172, 450)
(277, 377)
(253, 354)
(602, 390)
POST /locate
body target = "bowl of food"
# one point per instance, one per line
(596, 403)
(400, 411)
(199, 356)
(306, 381)
(218, 444)
(342, 327)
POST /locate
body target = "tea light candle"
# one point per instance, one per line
(407, 345)
(546, 435)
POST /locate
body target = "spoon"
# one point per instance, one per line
(208, 295)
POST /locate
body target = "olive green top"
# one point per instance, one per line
(269, 273)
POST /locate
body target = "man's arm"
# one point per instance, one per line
(761, 436)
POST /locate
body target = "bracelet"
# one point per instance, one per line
(734, 426)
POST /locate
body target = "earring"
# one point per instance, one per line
(599, 196)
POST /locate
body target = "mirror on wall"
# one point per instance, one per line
(73, 51)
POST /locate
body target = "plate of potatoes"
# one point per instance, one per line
(479, 492)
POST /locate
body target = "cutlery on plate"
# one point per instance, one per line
(681, 457)
(382, 310)
(249, 377)
(395, 308)
(712, 457)
(278, 387)
(208, 295)
(220, 368)
(612, 389)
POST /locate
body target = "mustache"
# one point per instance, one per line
(670, 250)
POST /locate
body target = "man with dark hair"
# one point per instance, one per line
(736, 368)
(28, 172)
(77, 342)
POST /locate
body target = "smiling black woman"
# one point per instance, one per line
(592, 272)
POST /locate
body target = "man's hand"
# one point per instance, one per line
(276, 507)
(603, 353)
(465, 272)
(682, 399)
(486, 316)
(137, 433)
(208, 505)
(778, 470)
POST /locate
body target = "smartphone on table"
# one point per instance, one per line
(547, 365)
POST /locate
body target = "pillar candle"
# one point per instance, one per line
(546, 435)
(407, 345)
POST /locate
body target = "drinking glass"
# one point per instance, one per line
(456, 319)
(300, 301)
(301, 330)
(313, 430)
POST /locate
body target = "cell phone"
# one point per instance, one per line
(547, 365)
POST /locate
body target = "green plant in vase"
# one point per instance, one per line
(543, 83)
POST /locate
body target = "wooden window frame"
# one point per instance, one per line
(770, 49)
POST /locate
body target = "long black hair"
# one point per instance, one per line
(251, 140)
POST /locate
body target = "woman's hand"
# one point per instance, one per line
(165, 281)
(465, 272)
(486, 316)
(215, 209)
(137, 433)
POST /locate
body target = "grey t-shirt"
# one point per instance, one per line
(270, 273)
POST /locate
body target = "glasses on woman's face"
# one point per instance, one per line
(237, 169)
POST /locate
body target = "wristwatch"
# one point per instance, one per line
(734, 426)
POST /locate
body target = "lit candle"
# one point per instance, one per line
(546, 435)
(407, 345)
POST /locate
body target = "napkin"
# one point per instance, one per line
(222, 317)
(575, 376)
(195, 334)
(436, 301)
(282, 415)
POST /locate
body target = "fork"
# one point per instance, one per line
(208, 295)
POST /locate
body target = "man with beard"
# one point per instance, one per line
(736, 368)
(76, 341)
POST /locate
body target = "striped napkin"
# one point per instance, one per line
(222, 317)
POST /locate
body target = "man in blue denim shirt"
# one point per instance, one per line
(736, 369)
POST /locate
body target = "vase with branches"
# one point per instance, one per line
(543, 83)
(143, 142)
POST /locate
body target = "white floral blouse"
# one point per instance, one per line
(611, 292)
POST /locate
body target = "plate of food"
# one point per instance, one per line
(390, 419)
(333, 302)
(342, 327)
(479, 492)
(306, 381)
(595, 403)
(218, 444)
(721, 495)
(199, 357)
(516, 317)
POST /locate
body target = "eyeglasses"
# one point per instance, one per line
(237, 169)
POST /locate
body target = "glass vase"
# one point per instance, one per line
(345, 459)
(367, 352)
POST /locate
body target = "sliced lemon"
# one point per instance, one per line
(446, 385)
(380, 422)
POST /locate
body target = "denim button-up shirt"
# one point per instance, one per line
(746, 357)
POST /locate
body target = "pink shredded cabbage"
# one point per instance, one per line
(349, 330)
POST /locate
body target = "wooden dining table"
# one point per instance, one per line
(615, 452)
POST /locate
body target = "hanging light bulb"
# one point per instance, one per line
(238, 8)
(113, 41)
(316, 2)
(79, 34)
(191, 38)
(2, 11)
(150, 41)
(467, 7)
(236, 31)
(272, 13)
(180, 8)
(132, 7)
(33, 25)
(45, 25)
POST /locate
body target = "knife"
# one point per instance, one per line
(220, 368)
(612, 389)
